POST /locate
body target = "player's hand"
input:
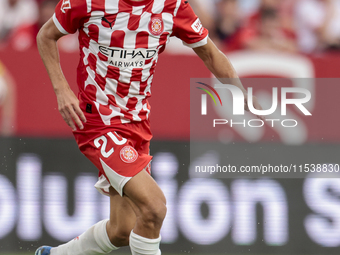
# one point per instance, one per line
(68, 106)
(256, 105)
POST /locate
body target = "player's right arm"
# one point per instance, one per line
(68, 104)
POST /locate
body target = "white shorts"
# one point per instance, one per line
(103, 185)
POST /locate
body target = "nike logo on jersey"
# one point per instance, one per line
(108, 22)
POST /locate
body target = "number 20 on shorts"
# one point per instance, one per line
(114, 138)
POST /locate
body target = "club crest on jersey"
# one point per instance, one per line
(65, 5)
(128, 154)
(156, 26)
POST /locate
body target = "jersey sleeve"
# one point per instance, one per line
(69, 15)
(188, 27)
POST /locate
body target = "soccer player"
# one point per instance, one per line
(120, 41)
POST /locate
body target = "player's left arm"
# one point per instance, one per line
(218, 64)
(223, 70)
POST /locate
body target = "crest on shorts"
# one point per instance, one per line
(128, 154)
(156, 26)
(65, 5)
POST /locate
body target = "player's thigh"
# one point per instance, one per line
(146, 195)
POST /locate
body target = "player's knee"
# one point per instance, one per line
(153, 214)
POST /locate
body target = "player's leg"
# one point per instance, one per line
(122, 219)
(104, 236)
(149, 204)
(143, 195)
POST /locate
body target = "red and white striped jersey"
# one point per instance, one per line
(120, 41)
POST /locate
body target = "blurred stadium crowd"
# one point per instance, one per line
(305, 26)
